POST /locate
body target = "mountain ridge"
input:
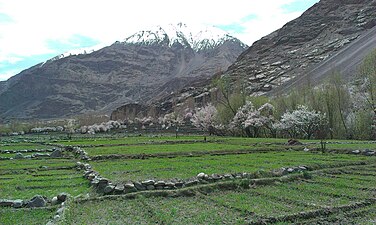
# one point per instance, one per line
(107, 78)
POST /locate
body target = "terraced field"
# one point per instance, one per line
(242, 181)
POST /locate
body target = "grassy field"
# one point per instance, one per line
(186, 167)
(22, 179)
(339, 188)
(284, 201)
(26, 216)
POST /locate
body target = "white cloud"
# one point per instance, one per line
(36, 22)
(6, 75)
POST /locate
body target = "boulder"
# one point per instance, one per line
(201, 175)
(119, 189)
(54, 201)
(62, 197)
(150, 187)
(18, 203)
(108, 189)
(56, 154)
(216, 177)
(139, 186)
(36, 201)
(5, 202)
(160, 183)
(129, 187)
(191, 183)
(228, 176)
(40, 155)
(356, 152)
(294, 142)
(179, 184)
(148, 182)
(302, 168)
(170, 184)
(19, 156)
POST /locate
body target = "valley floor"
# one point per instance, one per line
(187, 180)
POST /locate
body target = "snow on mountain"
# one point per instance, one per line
(197, 38)
(80, 51)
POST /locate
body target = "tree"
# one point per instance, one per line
(231, 97)
(237, 123)
(69, 128)
(302, 122)
(173, 120)
(205, 118)
(260, 118)
(250, 120)
(366, 85)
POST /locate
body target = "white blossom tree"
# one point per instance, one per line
(260, 118)
(237, 123)
(172, 120)
(69, 128)
(302, 121)
(250, 120)
(205, 118)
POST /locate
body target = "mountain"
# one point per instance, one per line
(332, 35)
(133, 70)
(288, 55)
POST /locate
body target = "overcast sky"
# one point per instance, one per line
(34, 31)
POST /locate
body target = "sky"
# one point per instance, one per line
(35, 31)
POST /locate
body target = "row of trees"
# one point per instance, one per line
(337, 108)
(255, 122)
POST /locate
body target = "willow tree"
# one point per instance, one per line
(367, 85)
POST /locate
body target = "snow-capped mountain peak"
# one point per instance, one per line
(197, 38)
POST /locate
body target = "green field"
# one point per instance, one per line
(287, 201)
(185, 167)
(337, 189)
(22, 179)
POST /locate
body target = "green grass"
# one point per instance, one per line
(185, 167)
(300, 196)
(156, 210)
(9, 216)
(23, 146)
(365, 216)
(251, 203)
(127, 140)
(12, 155)
(352, 146)
(166, 148)
(22, 179)
(27, 164)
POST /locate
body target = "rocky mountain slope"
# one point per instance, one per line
(302, 44)
(134, 70)
(333, 35)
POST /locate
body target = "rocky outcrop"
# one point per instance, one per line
(132, 111)
(300, 45)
